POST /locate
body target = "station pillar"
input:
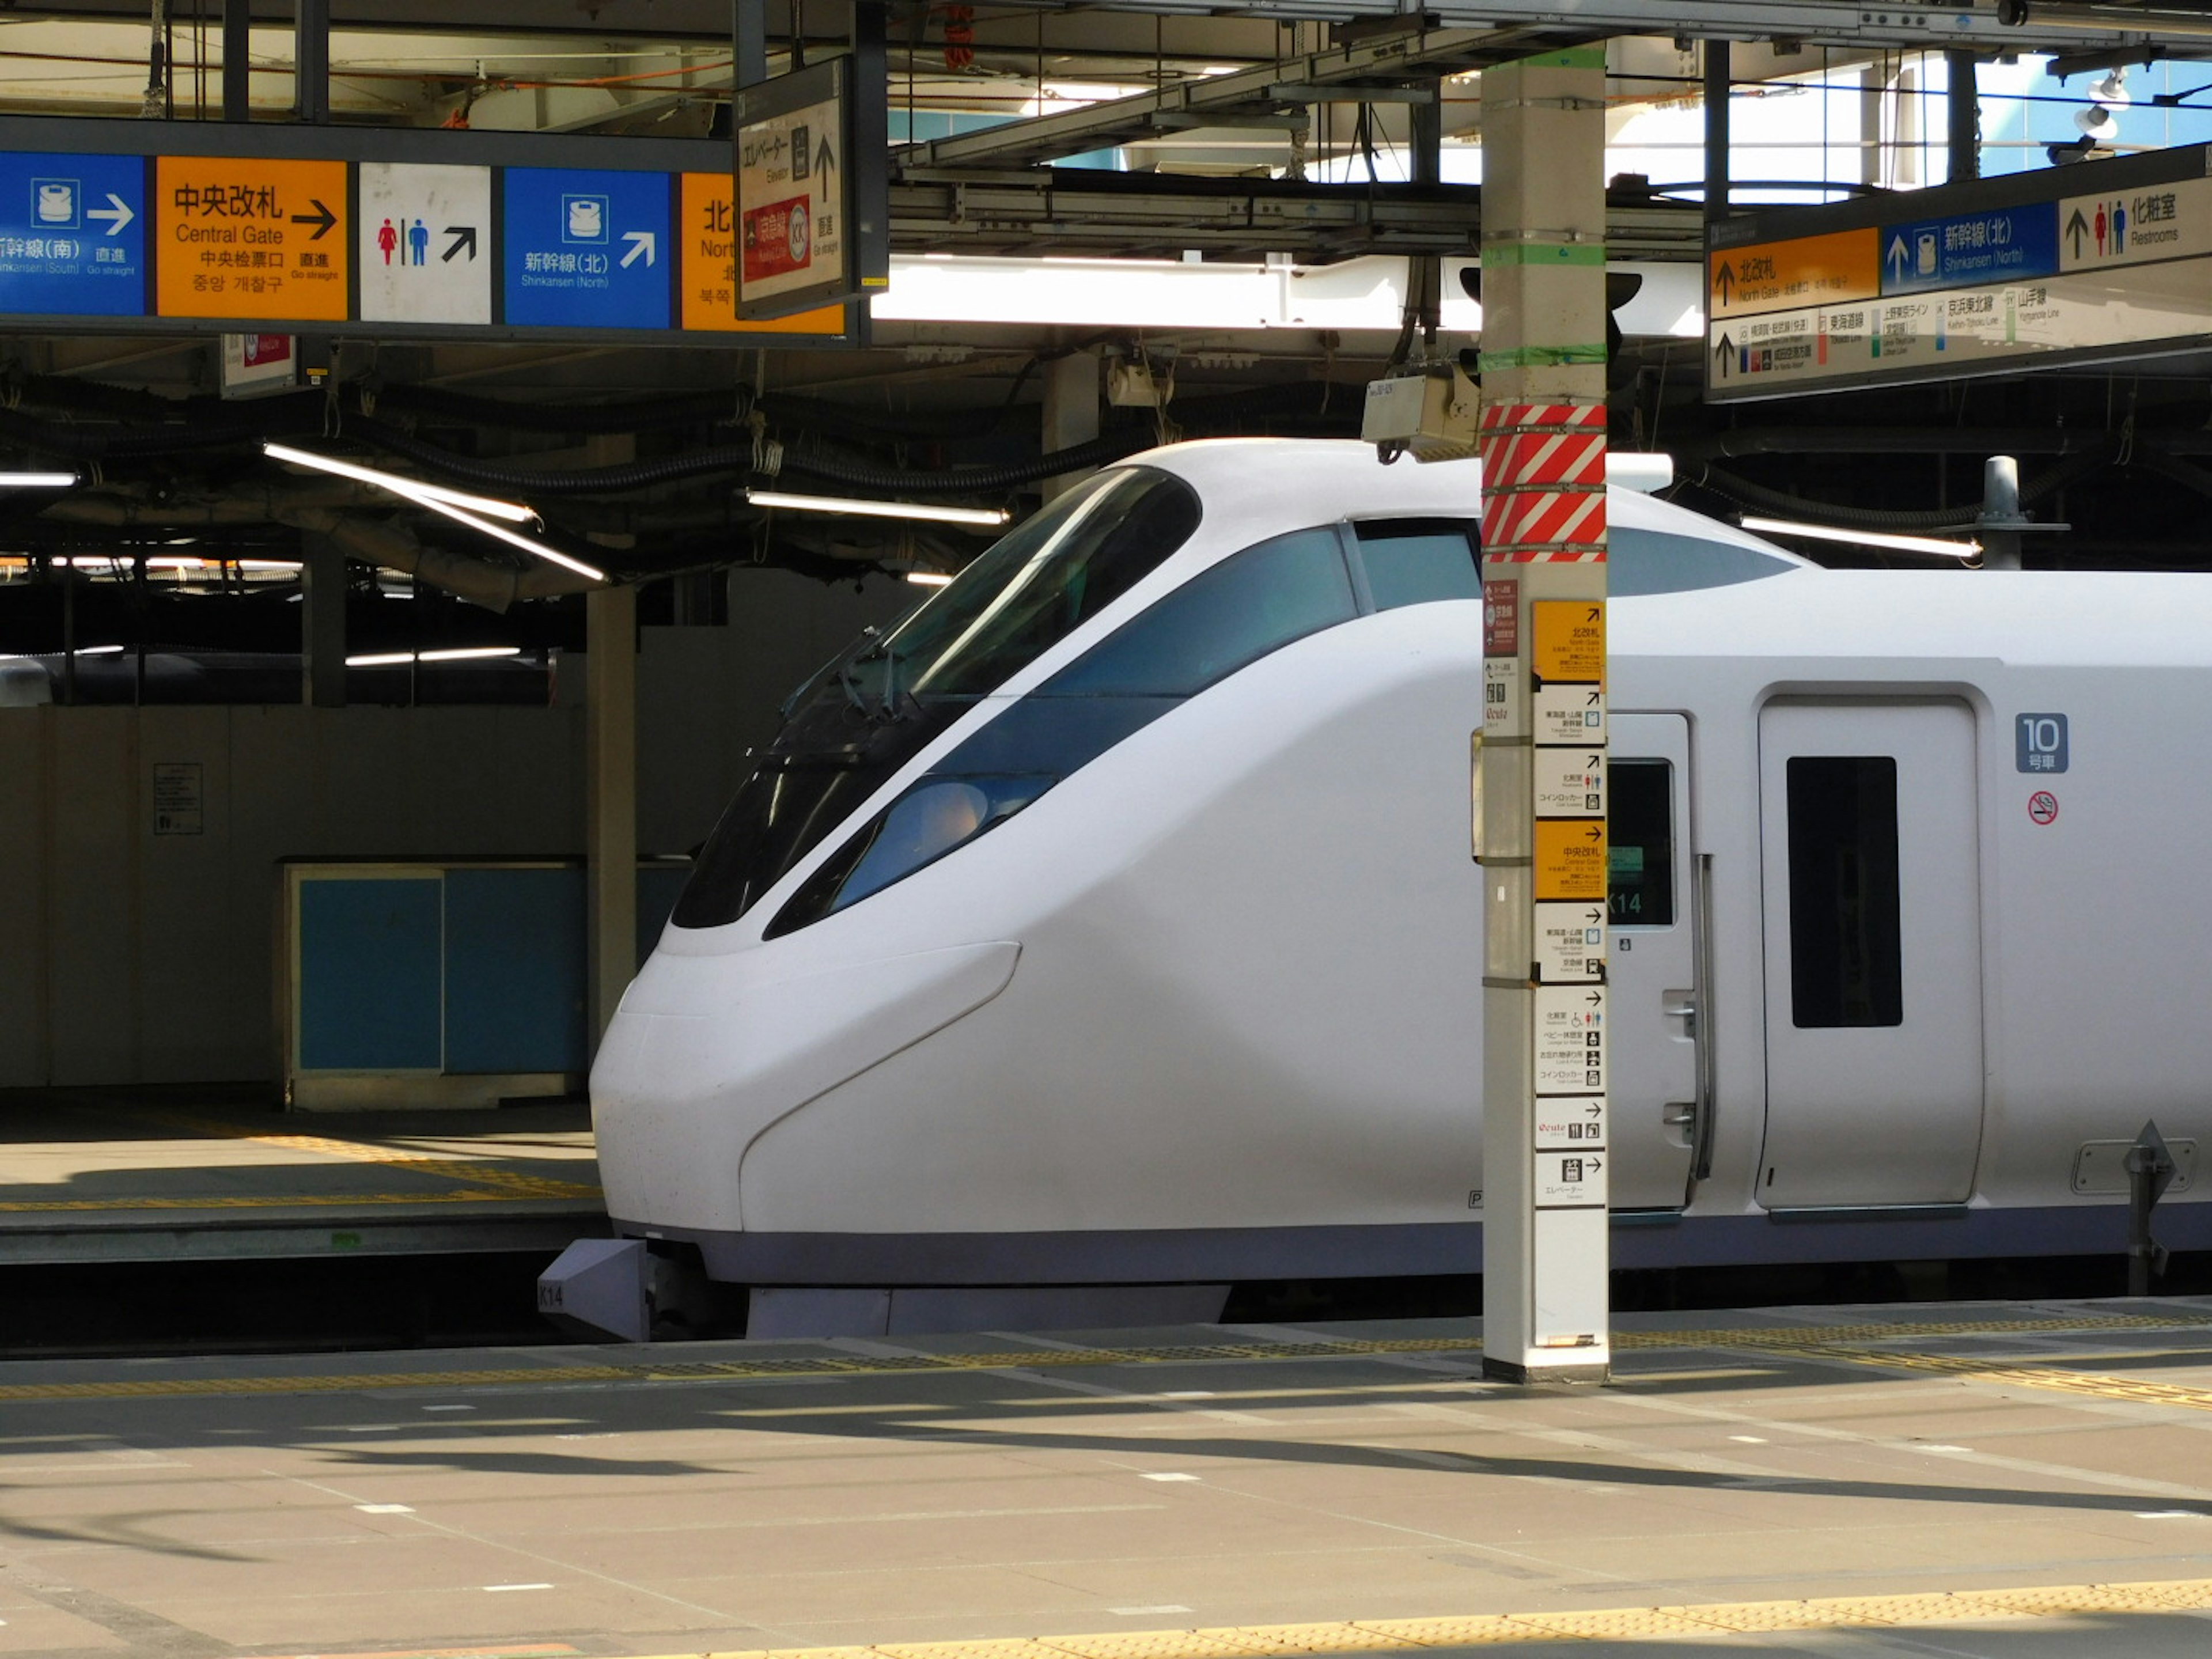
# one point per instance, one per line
(323, 624)
(1072, 396)
(611, 797)
(1542, 775)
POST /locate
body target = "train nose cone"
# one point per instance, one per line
(706, 1052)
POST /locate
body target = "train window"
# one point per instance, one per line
(1036, 585)
(1250, 604)
(1416, 562)
(1640, 843)
(1658, 562)
(1845, 943)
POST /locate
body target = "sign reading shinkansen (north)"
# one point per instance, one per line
(1967, 282)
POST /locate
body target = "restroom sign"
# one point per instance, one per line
(794, 166)
(423, 243)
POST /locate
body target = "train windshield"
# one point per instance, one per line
(880, 703)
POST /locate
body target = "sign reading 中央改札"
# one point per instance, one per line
(251, 237)
(794, 248)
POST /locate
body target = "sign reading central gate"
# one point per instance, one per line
(248, 237)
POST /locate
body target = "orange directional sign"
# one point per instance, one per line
(1806, 270)
(242, 237)
(1571, 860)
(705, 244)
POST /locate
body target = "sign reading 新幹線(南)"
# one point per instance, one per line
(72, 235)
(251, 237)
(793, 246)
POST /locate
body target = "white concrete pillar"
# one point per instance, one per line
(322, 624)
(1542, 840)
(1071, 396)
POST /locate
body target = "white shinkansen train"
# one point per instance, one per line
(1110, 922)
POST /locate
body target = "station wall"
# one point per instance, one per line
(129, 954)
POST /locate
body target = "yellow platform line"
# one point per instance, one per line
(1597, 1625)
(1794, 1341)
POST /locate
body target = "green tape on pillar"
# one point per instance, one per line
(1566, 58)
(1544, 253)
(1543, 356)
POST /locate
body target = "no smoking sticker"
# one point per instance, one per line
(2043, 806)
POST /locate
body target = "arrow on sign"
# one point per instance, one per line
(2077, 227)
(825, 159)
(465, 236)
(1596, 996)
(1724, 282)
(120, 215)
(1595, 834)
(1595, 917)
(640, 241)
(322, 219)
(1898, 257)
(1724, 357)
(1594, 1109)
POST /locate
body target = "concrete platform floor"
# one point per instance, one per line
(1955, 1479)
(121, 1174)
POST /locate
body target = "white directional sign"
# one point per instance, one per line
(2136, 227)
(425, 243)
(1570, 783)
(1570, 1039)
(1570, 714)
(1571, 1180)
(1571, 942)
(1571, 1123)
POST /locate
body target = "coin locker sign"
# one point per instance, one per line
(251, 238)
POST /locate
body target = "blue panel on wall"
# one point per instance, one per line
(368, 975)
(658, 884)
(514, 970)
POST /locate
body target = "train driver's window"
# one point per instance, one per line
(1640, 843)
(1416, 561)
(1847, 943)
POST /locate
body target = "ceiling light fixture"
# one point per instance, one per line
(453, 654)
(989, 516)
(500, 532)
(413, 489)
(1821, 533)
(38, 480)
(929, 578)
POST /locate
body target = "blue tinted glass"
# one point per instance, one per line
(1221, 619)
(1657, 562)
(1419, 568)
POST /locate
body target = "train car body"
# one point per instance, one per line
(1140, 944)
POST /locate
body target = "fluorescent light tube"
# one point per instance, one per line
(413, 489)
(1821, 533)
(992, 516)
(38, 480)
(927, 577)
(455, 653)
(100, 650)
(500, 532)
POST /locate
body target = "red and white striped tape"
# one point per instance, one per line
(1543, 483)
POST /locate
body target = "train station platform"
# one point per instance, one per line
(2006, 1480)
(122, 1174)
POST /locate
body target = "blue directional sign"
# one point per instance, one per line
(586, 249)
(72, 235)
(2000, 245)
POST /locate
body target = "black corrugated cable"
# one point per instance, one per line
(1962, 517)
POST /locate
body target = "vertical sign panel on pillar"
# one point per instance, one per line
(587, 248)
(73, 235)
(251, 237)
(423, 244)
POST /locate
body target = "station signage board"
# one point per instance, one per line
(122, 226)
(1968, 284)
(793, 166)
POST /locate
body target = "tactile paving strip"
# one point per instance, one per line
(1594, 1625)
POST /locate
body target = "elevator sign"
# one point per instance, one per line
(794, 167)
(251, 237)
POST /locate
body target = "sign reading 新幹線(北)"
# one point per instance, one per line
(72, 235)
(250, 237)
(423, 243)
(793, 246)
(585, 248)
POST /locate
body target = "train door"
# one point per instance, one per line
(1871, 890)
(1653, 968)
